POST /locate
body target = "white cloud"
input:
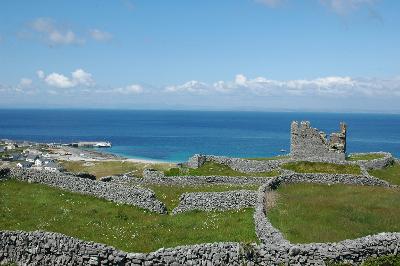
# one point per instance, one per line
(54, 34)
(192, 86)
(25, 82)
(78, 77)
(131, 89)
(99, 35)
(333, 86)
(40, 74)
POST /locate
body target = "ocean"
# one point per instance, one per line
(176, 135)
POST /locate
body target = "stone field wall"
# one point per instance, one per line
(45, 248)
(137, 196)
(216, 201)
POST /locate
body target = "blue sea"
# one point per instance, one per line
(176, 135)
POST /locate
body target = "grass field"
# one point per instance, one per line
(212, 168)
(321, 213)
(28, 207)
(390, 174)
(367, 157)
(170, 194)
(319, 167)
(106, 168)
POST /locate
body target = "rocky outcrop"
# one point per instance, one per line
(216, 201)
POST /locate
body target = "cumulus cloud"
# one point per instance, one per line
(54, 34)
(333, 86)
(78, 78)
(99, 35)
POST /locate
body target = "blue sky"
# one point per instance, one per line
(317, 55)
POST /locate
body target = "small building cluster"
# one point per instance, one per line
(27, 157)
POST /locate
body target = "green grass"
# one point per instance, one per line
(270, 158)
(28, 207)
(367, 157)
(389, 260)
(170, 194)
(107, 168)
(321, 213)
(319, 167)
(212, 168)
(390, 174)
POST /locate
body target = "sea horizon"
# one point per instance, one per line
(175, 135)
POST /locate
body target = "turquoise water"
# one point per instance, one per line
(176, 135)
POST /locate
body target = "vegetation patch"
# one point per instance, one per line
(321, 167)
(107, 168)
(390, 174)
(29, 207)
(364, 157)
(389, 260)
(213, 168)
(170, 194)
(321, 213)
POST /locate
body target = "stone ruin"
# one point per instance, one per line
(309, 143)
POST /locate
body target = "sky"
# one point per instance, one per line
(261, 55)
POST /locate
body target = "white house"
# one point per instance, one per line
(32, 158)
(51, 166)
(24, 164)
(9, 147)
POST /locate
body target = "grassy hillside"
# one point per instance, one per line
(319, 167)
(212, 168)
(322, 213)
(390, 174)
(25, 206)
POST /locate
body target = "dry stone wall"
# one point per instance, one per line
(379, 163)
(137, 196)
(44, 248)
(216, 201)
(334, 179)
(156, 177)
(238, 164)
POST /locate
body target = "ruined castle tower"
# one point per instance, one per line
(310, 143)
